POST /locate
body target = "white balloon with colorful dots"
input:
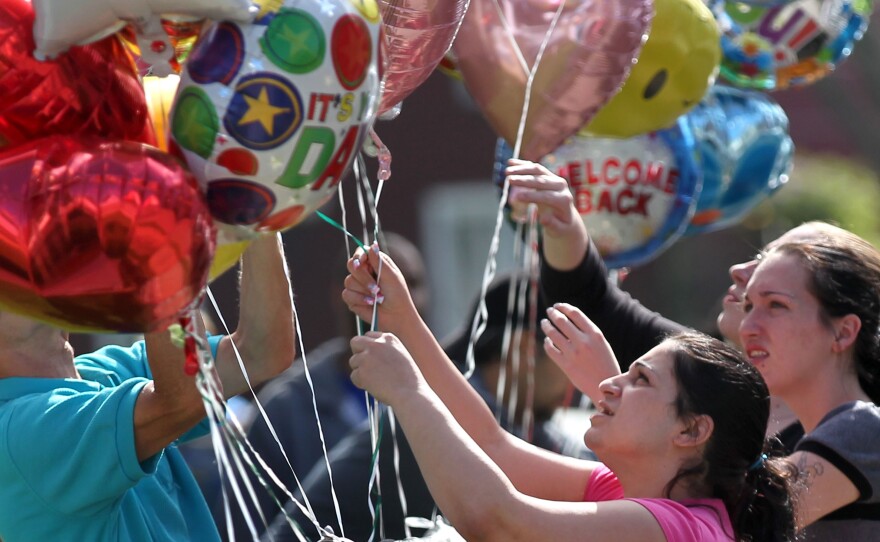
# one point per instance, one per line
(270, 115)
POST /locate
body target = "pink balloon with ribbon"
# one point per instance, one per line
(417, 35)
(585, 61)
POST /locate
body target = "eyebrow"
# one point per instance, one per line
(643, 365)
(765, 293)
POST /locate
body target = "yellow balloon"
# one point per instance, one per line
(160, 96)
(676, 67)
(225, 257)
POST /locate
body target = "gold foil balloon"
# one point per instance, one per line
(226, 256)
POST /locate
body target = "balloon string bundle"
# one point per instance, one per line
(522, 294)
(480, 318)
(232, 448)
(366, 199)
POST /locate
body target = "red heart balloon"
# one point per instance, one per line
(100, 236)
(587, 59)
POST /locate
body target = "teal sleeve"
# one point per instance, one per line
(75, 449)
(112, 365)
(214, 342)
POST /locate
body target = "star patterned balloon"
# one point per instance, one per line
(269, 115)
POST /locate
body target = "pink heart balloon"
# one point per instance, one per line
(417, 35)
(586, 60)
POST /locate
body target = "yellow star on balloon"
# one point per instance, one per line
(262, 111)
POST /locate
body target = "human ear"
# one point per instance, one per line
(846, 331)
(696, 431)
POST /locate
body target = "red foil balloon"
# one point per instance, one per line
(417, 35)
(89, 91)
(100, 236)
(587, 59)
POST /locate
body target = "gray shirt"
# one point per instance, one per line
(849, 438)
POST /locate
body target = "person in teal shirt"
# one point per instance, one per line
(88, 443)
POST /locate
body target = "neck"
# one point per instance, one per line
(648, 479)
(781, 416)
(39, 359)
(813, 399)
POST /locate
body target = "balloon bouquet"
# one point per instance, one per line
(632, 165)
(103, 231)
(100, 230)
(727, 148)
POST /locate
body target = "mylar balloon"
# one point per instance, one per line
(789, 45)
(745, 155)
(417, 35)
(160, 96)
(89, 91)
(159, 92)
(269, 115)
(635, 195)
(164, 53)
(587, 58)
(61, 25)
(100, 236)
(676, 67)
(226, 256)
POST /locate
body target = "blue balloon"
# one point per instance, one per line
(745, 153)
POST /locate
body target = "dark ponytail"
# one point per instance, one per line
(767, 490)
(714, 380)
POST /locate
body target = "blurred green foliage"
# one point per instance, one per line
(832, 188)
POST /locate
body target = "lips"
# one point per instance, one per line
(756, 354)
(732, 296)
(603, 408)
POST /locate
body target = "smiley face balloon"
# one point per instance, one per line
(677, 65)
(270, 115)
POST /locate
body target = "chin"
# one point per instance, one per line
(728, 326)
(590, 439)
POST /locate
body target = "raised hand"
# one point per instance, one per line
(565, 235)
(534, 183)
(374, 280)
(578, 346)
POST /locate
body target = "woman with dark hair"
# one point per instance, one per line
(812, 328)
(681, 465)
(801, 338)
(573, 272)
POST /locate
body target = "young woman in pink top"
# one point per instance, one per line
(678, 463)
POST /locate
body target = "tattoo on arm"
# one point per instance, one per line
(808, 471)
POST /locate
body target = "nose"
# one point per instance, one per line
(748, 325)
(742, 272)
(610, 386)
